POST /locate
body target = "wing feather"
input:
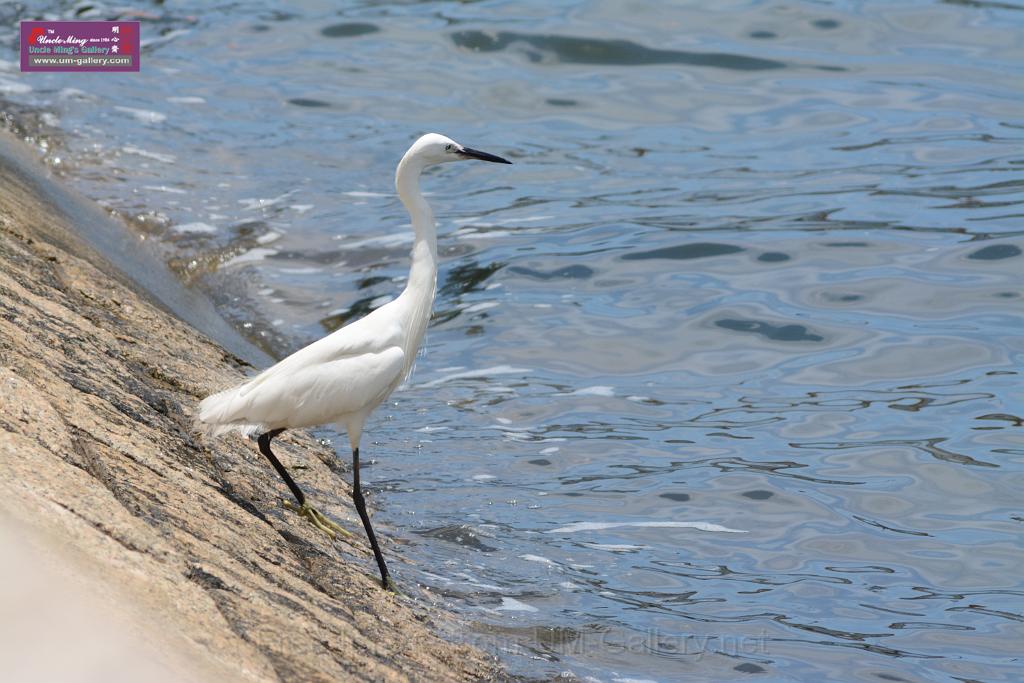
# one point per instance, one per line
(364, 336)
(351, 369)
(313, 395)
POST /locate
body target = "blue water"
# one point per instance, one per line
(724, 381)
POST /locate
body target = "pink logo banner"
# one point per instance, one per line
(79, 46)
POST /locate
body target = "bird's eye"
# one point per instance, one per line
(447, 148)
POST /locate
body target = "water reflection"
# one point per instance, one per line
(572, 50)
(348, 30)
(685, 251)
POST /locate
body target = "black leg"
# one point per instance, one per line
(264, 442)
(316, 518)
(357, 498)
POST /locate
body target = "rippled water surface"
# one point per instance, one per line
(724, 376)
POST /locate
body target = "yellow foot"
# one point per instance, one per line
(317, 519)
(392, 587)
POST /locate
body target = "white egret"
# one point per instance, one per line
(341, 378)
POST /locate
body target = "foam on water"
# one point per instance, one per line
(158, 156)
(147, 116)
(482, 373)
(249, 256)
(512, 605)
(196, 227)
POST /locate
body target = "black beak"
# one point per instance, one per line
(482, 156)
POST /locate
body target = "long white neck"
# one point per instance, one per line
(419, 291)
(424, 250)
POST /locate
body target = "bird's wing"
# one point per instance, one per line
(317, 394)
(372, 334)
(352, 365)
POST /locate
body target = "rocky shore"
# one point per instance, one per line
(138, 550)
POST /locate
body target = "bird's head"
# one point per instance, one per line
(434, 148)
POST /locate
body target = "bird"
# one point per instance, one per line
(341, 378)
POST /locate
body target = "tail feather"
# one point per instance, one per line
(218, 415)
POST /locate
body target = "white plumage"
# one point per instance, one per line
(341, 378)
